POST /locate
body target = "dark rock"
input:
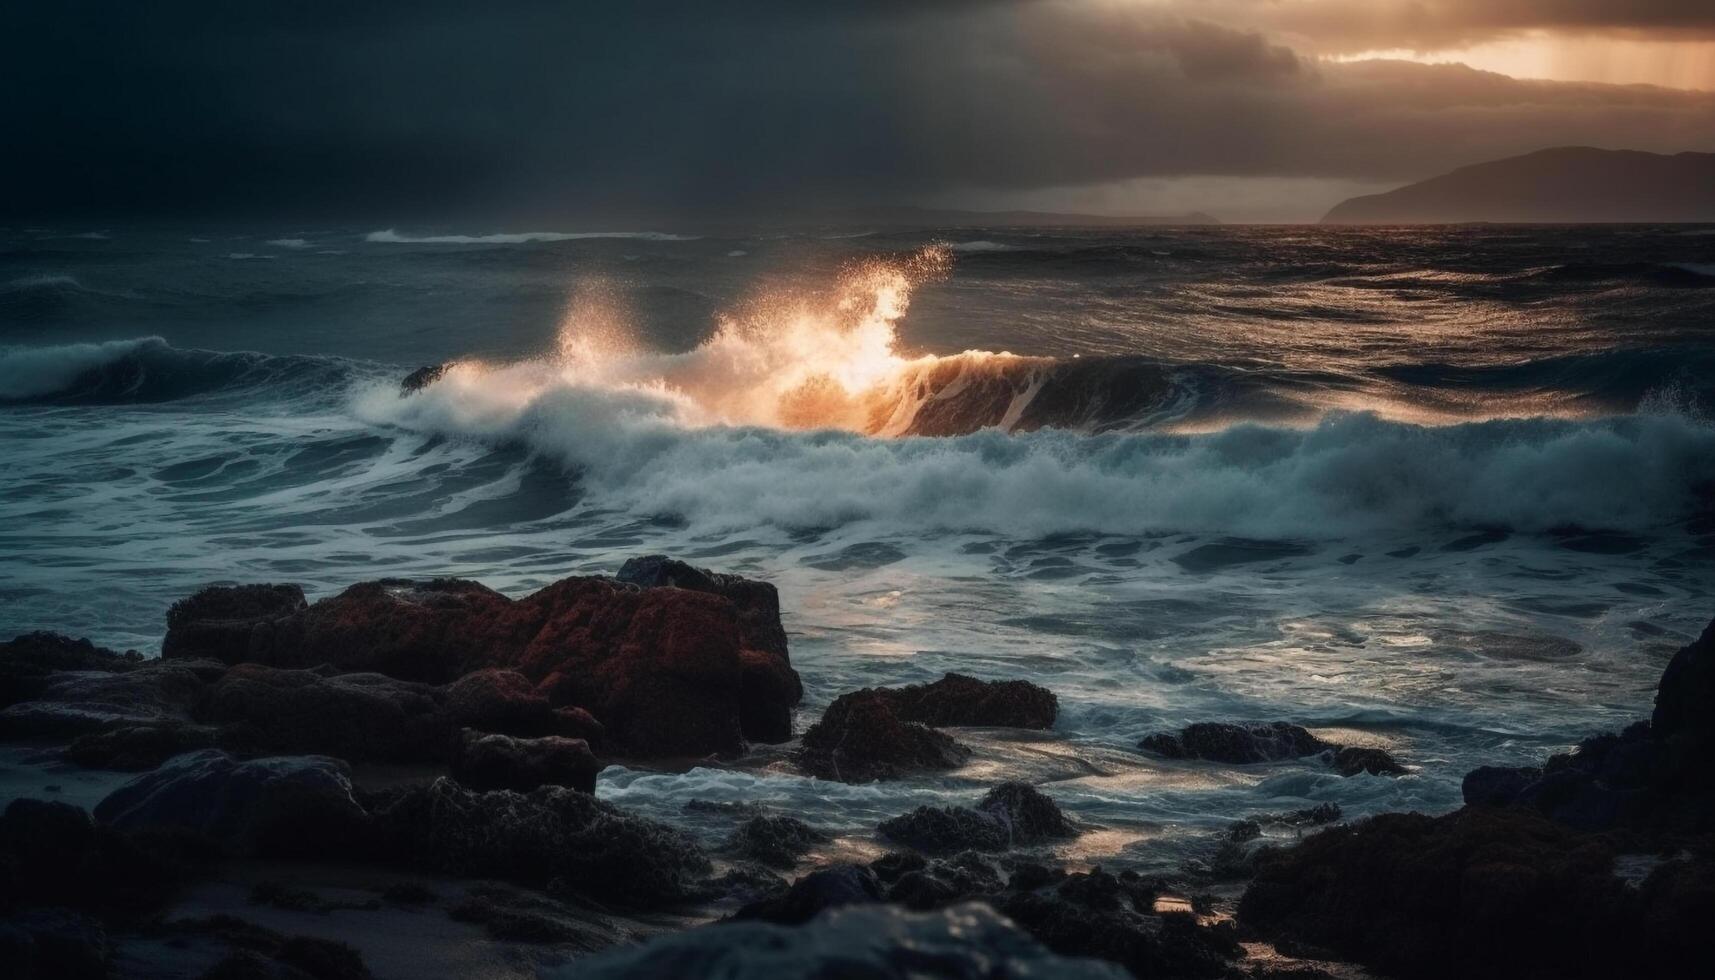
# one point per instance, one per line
(54, 944)
(255, 953)
(1352, 760)
(1686, 691)
(664, 670)
(1237, 744)
(941, 829)
(942, 882)
(26, 662)
(1010, 815)
(1483, 892)
(510, 914)
(956, 699)
(831, 887)
(860, 739)
(875, 942)
(1313, 816)
(553, 836)
(73, 703)
(360, 717)
(1112, 917)
(501, 701)
(486, 762)
(52, 854)
(234, 624)
(288, 806)
(421, 378)
(1497, 785)
(778, 841)
(139, 747)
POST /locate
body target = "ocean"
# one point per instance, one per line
(1446, 491)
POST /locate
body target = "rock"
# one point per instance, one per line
(1497, 785)
(758, 602)
(486, 762)
(52, 854)
(1483, 892)
(515, 915)
(860, 739)
(552, 836)
(664, 670)
(139, 747)
(284, 806)
(54, 944)
(27, 661)
(875, 942)
(942, 829)
(1011, 815)
(72, 703)
(504, 702)
(936, 884)
(1686, 691)
(359, 717)
(1112, 917)
(421, 378)
(1236, 744)
(1352, 760)
(956, 699)
(831, 887)
(777, 841)
(234, 624)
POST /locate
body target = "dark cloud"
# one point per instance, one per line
(530, 108)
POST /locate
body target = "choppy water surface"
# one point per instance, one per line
(1447, 491)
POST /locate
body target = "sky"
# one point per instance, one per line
(530, 112)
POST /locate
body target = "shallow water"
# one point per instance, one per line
(1444, 491)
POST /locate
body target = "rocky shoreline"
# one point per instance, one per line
(250, 749)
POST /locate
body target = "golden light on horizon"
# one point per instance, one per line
(1573, 58)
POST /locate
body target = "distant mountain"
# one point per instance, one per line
(910, 217)
(1567, 184)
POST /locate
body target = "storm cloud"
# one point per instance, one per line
(531, 108)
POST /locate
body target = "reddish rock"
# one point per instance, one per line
(501, 701)
(666, 671)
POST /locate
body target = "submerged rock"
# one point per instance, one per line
(860, 739)
(1010, 815)
(956, 699)
(1275, 741)
(285, 806)
(872, 941)
(486, 762)
(666, 671)
(1236, 744)
(553, 836)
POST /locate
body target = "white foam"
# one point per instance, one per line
(393, 237)
(288, 242)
